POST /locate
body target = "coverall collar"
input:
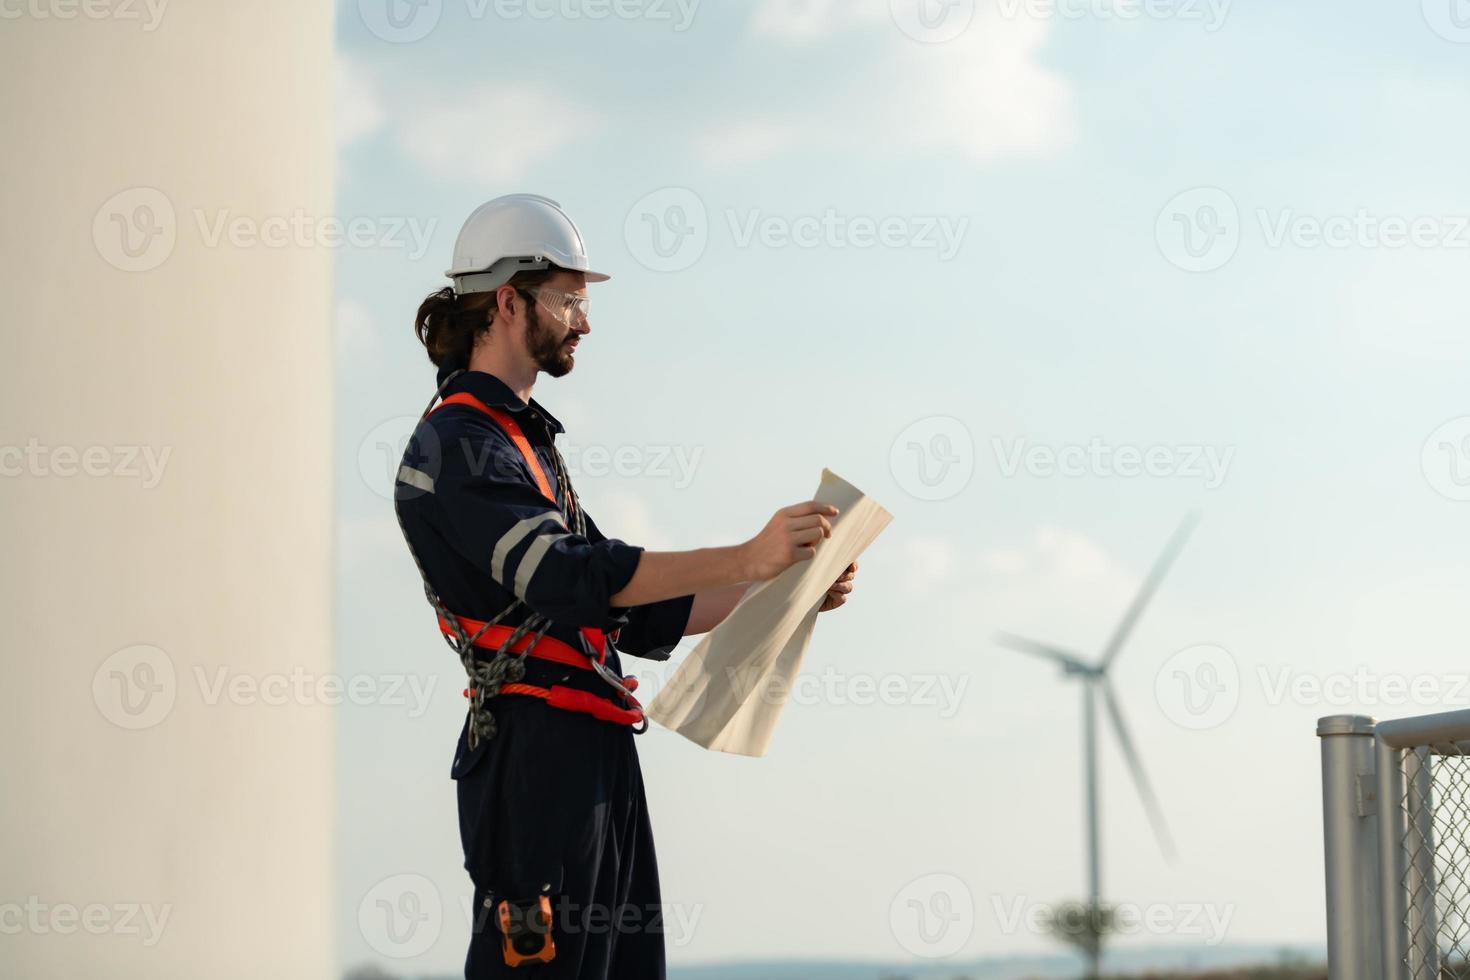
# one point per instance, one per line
(497, 394)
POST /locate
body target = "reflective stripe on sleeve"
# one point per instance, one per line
(416, 478)
(532, 560)
(515, 536)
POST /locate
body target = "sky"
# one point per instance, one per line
(1040, 278)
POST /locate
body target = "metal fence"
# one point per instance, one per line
(1396, 823)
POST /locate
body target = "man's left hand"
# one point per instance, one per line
(838, 593)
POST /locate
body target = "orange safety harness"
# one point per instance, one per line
(512, 645)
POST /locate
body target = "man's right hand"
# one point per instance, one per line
(790, 536)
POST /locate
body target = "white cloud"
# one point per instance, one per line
(359, 109)
(928, 563)
(1059, 582)
(801, 20)
(492, 134)
(627, 517)
(749, 141)
(982, 94)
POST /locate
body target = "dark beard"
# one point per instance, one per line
(544, 344)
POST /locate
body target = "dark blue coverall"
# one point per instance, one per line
(552, 803)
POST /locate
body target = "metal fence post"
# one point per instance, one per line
(1391, 863)
(1350, 835)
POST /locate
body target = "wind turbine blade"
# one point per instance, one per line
(1055, 654)
(1140, 778)
(1147, 590)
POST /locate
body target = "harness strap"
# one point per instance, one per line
(502, 675)
(571, 699)
(545, 648)
(513, 430)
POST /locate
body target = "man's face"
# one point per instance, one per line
(551, 341)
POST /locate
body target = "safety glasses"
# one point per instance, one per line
(569, 308)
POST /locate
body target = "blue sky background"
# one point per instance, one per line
(1082, 153)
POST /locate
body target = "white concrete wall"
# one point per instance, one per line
(124, 793)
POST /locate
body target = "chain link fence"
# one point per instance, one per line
(1436, 848)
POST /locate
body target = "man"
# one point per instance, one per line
(539, 603)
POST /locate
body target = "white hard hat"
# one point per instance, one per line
(516, 233)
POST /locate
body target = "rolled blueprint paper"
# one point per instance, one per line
(729, 693)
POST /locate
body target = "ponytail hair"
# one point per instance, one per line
(449, 326)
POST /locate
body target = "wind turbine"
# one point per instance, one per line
(1095, 685)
